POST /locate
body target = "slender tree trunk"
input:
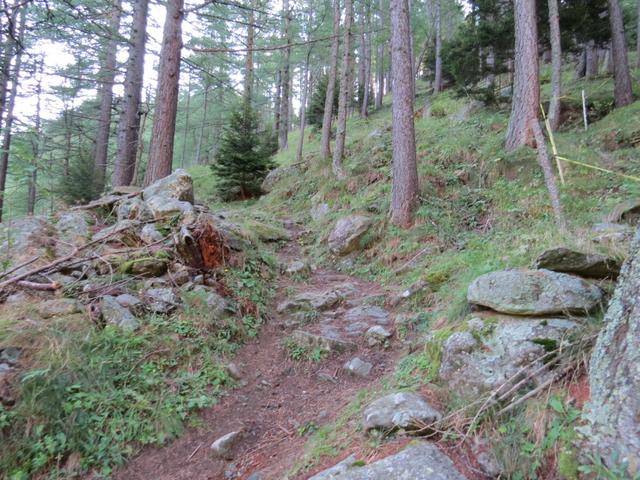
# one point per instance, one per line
(276, 103)
(327, 118)
(549, 177)
(364, 110)
(437, 83)
(7, 57)
(638, 36)
(380, 57)
(303, 106)
(404, 197)
(592, 60)
(581, 65)
(106, 78)
(248, 69)
(186, 124)
(164, 120)
(202, 125)
(286, 87)
(361, 60)
(345, 87)
(556, 65)
(36, 141)
(526, 85)
(622, 76)
(129, 126)
(8, 123)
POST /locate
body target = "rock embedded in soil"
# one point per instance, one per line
(114, 313)
(534, 292)
(58, 307)
(377, 335)
(207, 298)
(131, 302)
(418, 461)
(145, 267)
(319, 211)
(586, 265)
(368, 314)
(399, 410)
(612, 234)
(222, 446)
(160, 300)
(626, 212)
(297, 267)
(347, 234)
(72, 228)
(324, 343)
(150, 234)
(309, 301)
(357, 367)
(132, 209)
(126, 232)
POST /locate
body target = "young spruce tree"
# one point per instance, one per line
(244, 157)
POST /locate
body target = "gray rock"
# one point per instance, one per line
(501, 352)
(132, 303)
(163, 207)
(368, 314)
(58, 307)
(18, 297)
(486, 458)
(222, 446)
(612, 233)
(463, 114)
(534, 292)
(297, 267)
(10, 355)
(319, 211)
(150, 234)
(586, 265)
(276, 175)
(347, 233)
(627, 212)
(414, 289)
(114, 313)
(177, 186)
(399, 410)
(132, 208)
(160, 300)
(614, 375)
(377, 335)
(125, 231)
(72, 228)
(358, 368)
(23, 239)
(307, 301)
(419, 461)
(325, 343)
(234, 371)
(146, 267)
(215, 304)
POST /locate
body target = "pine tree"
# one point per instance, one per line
(316, 108)
(244, 157)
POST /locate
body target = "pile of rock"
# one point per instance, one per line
(154, 234)
(524, 315)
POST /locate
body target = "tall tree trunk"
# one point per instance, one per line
(248, 69)
(556, 65)
(345, 87)
(164, 119)
(129, 126)
(36, 141)
(437, 83)
(106, 78)
(581, 65)
(364, 110)
(303, 105)
(404, 197)
(276, 103)
(526, 86)
(327, 117)
(186, 124)
(361, 59)
(622, 76)
(592, 60)
(638, 36)
(8, 122)
(202, 125)
(8, 54)
(283, 140)
(380, 57)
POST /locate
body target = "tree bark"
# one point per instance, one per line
(526, 85)
(592, 66)
(276, 103)
(404, 199)
(106, 79)
(248, 69)
(7, 57)
(327, 118)
(638, 36)
(437, 83)
(283, 139)
(8, 122)
(303, 106)
(556, 65)
(364, 110)
(186, 123)
(380, 58)
(129, 126)
(622, 76)
(164, 119)
(581, 65)
(36, 141)
(345, 87)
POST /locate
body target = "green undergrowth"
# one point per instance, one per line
(90, 397)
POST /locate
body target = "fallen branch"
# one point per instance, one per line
(18, 267)
(44, 287)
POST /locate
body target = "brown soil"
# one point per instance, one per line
(276, 399)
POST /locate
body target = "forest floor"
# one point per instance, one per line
(279, 400)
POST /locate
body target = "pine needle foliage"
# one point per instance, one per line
(244, 157)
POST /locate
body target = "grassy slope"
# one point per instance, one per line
(482, 209)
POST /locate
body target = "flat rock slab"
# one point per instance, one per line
(307, 301)
(420, 461)
(398, 410)
(325, 343)
(534, 292)
(58, 307)
(571, 261)
(369, 314)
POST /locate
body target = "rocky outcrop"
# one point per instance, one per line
(277, 175)
(404, 410)
(347, 233)
(571, 261)
(614, 374)
(534, 292)
(419, 461)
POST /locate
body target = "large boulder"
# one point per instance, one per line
(132, 208)
(170, 196)
(72, 227)
(114, 313)
(275, 176)
(346, 235)
(405, 410)
(614, 374)
(24, 239)
(419, 461)
(501, 350)
(534, 292)
(571, 261)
